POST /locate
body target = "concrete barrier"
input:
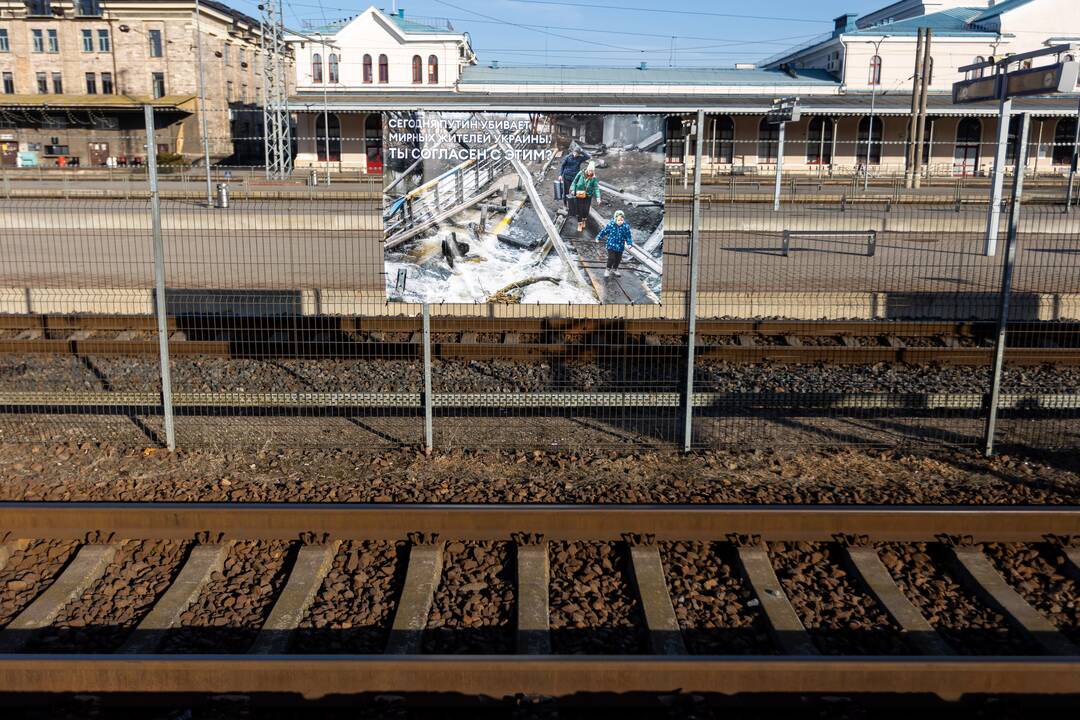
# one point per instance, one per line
(371, 303)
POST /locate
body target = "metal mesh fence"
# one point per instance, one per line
(858, 313)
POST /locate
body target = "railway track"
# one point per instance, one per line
(529, 340)
(543, 600)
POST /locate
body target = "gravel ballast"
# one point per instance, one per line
(61, 373)
(962, 619)
(841, 618)
(101, 471)
(472, 610)
(102, 618)
(355, 605)
(593, 607)
(233, 606)
(29, 570)
(715, 605)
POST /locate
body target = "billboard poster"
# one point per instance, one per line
(496, 207)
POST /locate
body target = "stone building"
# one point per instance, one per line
(872, 58)
(74, 75)
(862, 67)
(370, 54)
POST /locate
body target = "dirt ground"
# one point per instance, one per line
(99, 471)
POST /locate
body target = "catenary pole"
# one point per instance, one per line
(927, 76)
(691, 304)
(159, 279)
(1006, 282)
(915, 83)
(779, 167)
(202, 104)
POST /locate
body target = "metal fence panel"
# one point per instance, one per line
(860, 313)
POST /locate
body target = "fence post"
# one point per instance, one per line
(1006, 282)
(428, 424)
(691, 306)
(159, 280)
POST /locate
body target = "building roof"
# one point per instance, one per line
(231, 12)
(1001, 7)
(403, 23)
(420, 24)
(132, 102)
(581, 75)
(952, 22)
(853, 104)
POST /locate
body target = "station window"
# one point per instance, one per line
(9, 84)
(39, 7)
(417, 70)
(332, 68)
(88, 8)
(875, 70)
(158, 81)
(768, 141)
(432, 70)
(42, 83)
(316, 68)
(37, 38)
(103, 41)
(54, 41)
(58, 83)
(106, 83)
(154, 37)
(4, 45)
(91, 84)
(819, 139)
(88, 41)
(384, 70)
(367, 77)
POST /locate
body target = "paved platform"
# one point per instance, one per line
(58, 256)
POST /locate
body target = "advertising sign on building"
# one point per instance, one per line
(484, 207)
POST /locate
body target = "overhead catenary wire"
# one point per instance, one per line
(667, 11)
(588, 40)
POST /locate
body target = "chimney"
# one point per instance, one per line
(845, 24)
(401, 12)
(643, 66)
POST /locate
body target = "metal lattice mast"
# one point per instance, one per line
(278, 133)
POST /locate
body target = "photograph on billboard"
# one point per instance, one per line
(486, 207)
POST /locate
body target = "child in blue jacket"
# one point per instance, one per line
(618, 236)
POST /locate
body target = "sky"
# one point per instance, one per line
(691, 33)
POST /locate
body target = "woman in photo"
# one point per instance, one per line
(618, 236)
(584, 189)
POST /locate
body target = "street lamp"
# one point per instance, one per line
(875, 80)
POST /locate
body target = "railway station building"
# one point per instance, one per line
(74, 75)
(349, 71)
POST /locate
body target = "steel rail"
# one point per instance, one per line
(352, 521)
(498, 676)
(314, 677)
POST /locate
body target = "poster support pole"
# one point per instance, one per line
(691, 309)
(428, 408)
